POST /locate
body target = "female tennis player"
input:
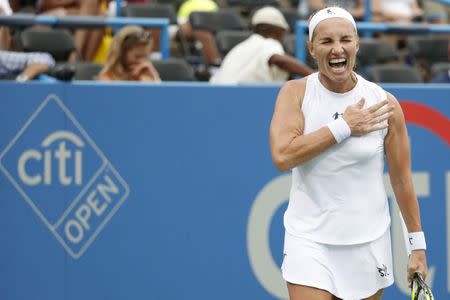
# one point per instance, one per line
(335, 129)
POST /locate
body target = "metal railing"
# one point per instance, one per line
(91, 22)
(413, 29)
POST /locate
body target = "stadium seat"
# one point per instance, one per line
(227, 39)
(394, 73)
(62, 71)
(376, 51)
(86, 71)
(58, 42)
(428, 48)
(153, 10)
(291, 16)
(174, 69)
(247, 6)
(289, 44)
(215, 21)
(175, 3)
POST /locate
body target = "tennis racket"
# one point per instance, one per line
(420, 290)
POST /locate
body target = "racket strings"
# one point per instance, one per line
(420, 290)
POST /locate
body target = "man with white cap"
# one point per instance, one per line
(334, 129)
(261, 57)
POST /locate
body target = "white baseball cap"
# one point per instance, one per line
(270, 15)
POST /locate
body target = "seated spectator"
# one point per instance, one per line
(443, 77)
(261, 57)
(5, 8)
(128, 57)
(24, 66)
(5, 37)
(396, 11)
(209, 49)
(355, 7)
(435, 13)
(86, 41)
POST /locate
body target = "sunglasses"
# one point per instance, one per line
(143, 36)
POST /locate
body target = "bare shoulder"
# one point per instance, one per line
(397, 126)
(391, 99)
(293, 91)
(295, 84)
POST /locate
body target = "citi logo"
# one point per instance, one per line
(55, 151)
(62, 174)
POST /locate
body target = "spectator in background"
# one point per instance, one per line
(261, 58)
(435, 13)
(128, 57)
(396, 11)
(24, 66)
(5, 37)
(355, 7)
(209, 49)
(443, 77)
(5, 7)
(17, 65)
(86, 41)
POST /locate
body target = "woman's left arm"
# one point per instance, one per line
(397, 150)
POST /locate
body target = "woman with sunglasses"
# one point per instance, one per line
(128, 57)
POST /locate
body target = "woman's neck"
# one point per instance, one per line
(338, 87)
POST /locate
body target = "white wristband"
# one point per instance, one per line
(340, 129)
(417, 240)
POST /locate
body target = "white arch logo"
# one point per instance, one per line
(269, 199)
(62, 155)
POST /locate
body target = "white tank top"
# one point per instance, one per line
(338, 197)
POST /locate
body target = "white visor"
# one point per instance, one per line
(328, 13)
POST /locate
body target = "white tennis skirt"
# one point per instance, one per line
(349, 272)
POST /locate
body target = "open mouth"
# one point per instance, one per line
(337, 63)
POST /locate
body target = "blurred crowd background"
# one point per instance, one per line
(223, 41)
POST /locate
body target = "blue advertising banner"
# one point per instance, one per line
(122, 191)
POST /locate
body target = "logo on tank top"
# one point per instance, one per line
(383, 271)
(336, 115)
